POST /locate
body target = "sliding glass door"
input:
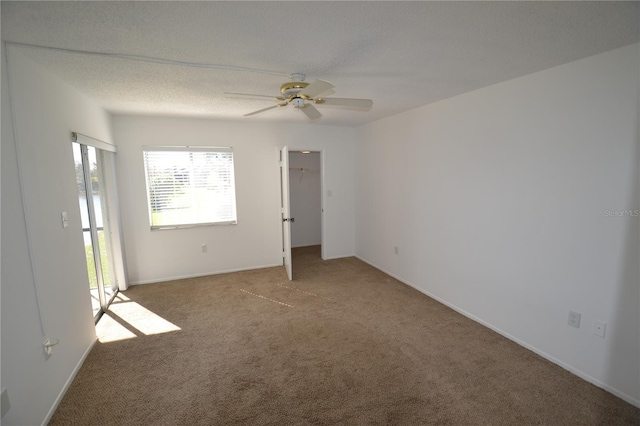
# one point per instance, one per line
(94, 211)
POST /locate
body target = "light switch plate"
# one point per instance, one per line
(65, 220)
(574, 319)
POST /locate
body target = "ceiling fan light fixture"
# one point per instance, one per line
(304, 96)
(292, 88)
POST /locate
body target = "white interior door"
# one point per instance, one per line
(286, 211)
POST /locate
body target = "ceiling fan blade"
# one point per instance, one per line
(316, 88)
(359, 104)
(251, 95)
(311, 112)
(263, 110)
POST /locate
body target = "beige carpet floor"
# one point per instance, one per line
(341, 344)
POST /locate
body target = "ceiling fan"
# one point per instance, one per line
(304, 96)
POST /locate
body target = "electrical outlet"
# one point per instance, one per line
(574, 319)
(204, 248)
(395, 249)
(599, 327)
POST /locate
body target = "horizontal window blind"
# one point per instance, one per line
(189, 186)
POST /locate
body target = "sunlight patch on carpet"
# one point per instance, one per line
(142, 319)
(110, 330)
(120, 297)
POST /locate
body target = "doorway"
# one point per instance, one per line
(305, 191)
(94, 212)
(305, 177)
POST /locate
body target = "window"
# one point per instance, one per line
(189, 186)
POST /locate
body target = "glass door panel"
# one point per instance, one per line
(100, 205)
(86, 229)
(93, 209)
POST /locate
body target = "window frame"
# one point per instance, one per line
(189, 149)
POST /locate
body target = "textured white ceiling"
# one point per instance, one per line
(400, 54)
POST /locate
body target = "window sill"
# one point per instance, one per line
(192, 225)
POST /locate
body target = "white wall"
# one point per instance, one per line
(306, 202)
(256, 240)
(497, 200)
(46, 110)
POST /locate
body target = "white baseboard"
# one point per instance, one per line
(631, 400)
(340, 256)
(204, 274)
(65, 388)
(306, 245)
(226, 271)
